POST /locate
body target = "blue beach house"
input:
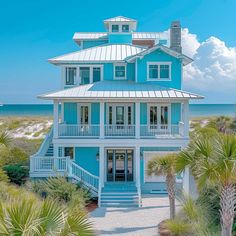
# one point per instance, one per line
(120, 103)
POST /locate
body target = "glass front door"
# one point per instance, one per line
(120, 165)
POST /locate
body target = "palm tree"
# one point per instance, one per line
(213, 163)
(165, 166)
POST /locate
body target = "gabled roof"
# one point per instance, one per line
(186, 59)
(104, 53)
(119, 19)
(121, 90)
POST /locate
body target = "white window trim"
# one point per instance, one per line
(159, 63)
(64, 76)
(79, 112)
(114, 105)
(114, 71)
(120, 27)
(78, 79)
(158, 105)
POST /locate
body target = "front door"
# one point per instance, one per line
(120, 165)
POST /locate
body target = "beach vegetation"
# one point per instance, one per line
(212, 161)
(17, 174)
(24, 213)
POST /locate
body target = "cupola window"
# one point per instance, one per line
(125, 28)
(115, 28)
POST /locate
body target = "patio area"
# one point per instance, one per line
(132, 221)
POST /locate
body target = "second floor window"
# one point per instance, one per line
(115, 28)
(120, 71)
(159, 71)
(70, 75)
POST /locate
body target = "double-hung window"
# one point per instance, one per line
(159, 71)
(90, 74)
(119, 71)
(70, 75)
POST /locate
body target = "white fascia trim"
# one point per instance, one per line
(169, 63)
(114, 71)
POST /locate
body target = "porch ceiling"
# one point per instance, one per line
(120, 90)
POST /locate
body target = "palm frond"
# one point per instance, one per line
(5, 138)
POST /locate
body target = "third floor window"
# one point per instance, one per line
(159, 71)
(70, 75)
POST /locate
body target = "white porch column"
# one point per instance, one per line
(137, 120)
(101, 166)
(102, 120)
(189, 185)
(137, 166)
(55, 150)
(55, 118)
(186, 118)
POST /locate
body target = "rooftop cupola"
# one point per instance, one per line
(120, 29)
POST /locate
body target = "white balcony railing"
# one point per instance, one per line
(48, 164)
(146, 131)
(82, 130)
(119, 130)
(159, 130)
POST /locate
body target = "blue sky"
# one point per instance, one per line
(33, 31)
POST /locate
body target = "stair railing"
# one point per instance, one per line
(77, 172)
(45, 144)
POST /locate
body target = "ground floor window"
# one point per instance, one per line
(69, 152)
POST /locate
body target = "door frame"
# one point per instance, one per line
(125, 164)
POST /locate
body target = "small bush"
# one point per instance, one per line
(16, 173)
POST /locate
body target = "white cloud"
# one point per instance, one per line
(213, 71)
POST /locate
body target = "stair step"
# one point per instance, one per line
(119, 205)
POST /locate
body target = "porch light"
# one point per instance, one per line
(97, 156)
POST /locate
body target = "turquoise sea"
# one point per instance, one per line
(196, 110)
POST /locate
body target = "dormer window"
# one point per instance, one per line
(158, 71)
(125, 28)
(115, 28)
(70, 75)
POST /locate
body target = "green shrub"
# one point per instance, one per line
(59, 188)
(16, 173)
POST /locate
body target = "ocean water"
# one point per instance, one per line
(196, 110)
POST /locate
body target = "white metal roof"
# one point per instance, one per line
(120, 90)
(186, 60)
(103, 53)
(78, 36)
(120, 19)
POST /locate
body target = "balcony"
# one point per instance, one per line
(83, 131)
(120, 131)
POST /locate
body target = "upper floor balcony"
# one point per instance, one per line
(121, 120)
